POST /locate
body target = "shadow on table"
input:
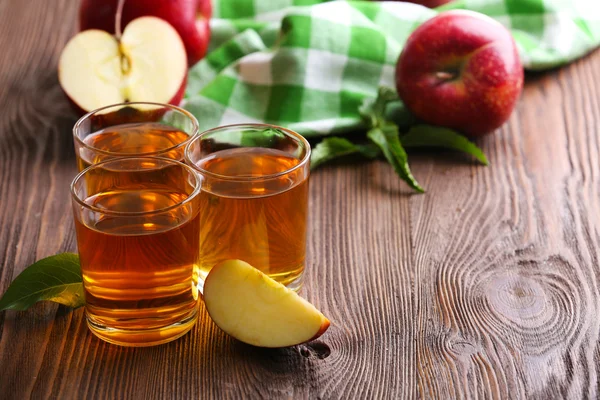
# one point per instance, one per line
(205, 358)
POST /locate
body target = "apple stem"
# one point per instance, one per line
(118, 17)
(445, 76)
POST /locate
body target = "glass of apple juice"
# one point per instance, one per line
(133, 129)
(137, 223)
(254, 198)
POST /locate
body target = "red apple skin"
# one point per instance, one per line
(179, 94)
(190, 18)
(460, 70)
(324, 326)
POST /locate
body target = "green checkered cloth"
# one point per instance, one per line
(308, 64)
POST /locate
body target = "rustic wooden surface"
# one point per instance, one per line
(485, 287)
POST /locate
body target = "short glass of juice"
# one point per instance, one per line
(254, 198)
(133, 129)
(137, 223)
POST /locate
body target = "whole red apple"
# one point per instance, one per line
(429, 3)
(190, 18)
(460, 70)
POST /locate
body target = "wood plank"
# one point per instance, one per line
(35, 158)
(487, 286)
(507, 273)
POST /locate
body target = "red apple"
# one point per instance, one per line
(148, 63)
(460, 70)
(190, 18)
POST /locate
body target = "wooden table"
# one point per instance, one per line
(487, 286)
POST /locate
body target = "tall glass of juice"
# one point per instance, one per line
(254, 198)
(137, 222)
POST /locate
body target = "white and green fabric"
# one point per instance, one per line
(308, 64)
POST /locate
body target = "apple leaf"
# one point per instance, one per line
(56, 278)
(334, 147)
(373, 110)
(435, 136)
(383, 115)
(387, 137)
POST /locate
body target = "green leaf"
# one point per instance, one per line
(373, 110)
(56, 278)
(334, 147)
(397, 112)
(387, 138)
(435, 136)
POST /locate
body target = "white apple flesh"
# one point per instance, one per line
(148, 64)
(255, 309)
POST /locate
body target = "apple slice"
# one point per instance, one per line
(148, 64)
(255, 309)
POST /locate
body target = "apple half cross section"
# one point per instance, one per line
(190, 18)
(255, 309)
(148, 63)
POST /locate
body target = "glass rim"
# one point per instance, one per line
(189, 115)
(295, 135)
(191, 196)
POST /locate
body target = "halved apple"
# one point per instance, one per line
(190, 18)
(148, 63)
(255, 309)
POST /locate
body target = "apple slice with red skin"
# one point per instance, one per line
(255, 309)
(148, 63)
(190, 18)
(460, 70)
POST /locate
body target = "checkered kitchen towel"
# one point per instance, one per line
(308, 64)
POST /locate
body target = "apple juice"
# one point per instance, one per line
(138, 272)
(260, 221)
(146, 138)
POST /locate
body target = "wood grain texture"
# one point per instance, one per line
(485, 287)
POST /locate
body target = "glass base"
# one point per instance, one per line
(143, 337)
(296, 284)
